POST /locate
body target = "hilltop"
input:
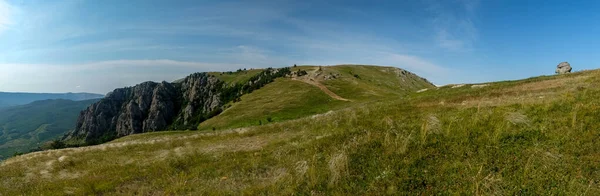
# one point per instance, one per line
(532, 136)
(320, 90)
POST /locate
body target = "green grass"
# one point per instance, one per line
(371, 82)
(281, 100)
(286, 99)
(521, 145)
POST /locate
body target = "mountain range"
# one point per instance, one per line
(14, 98)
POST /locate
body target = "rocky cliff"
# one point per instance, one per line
(152, 106)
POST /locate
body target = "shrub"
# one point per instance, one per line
(302, 73)
(57, 144)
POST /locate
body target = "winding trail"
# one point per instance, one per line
(310, 79)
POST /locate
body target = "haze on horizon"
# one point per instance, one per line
(96, 46)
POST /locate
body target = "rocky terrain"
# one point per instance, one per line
(152, 106)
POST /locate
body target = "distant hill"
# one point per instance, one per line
(24, 127)
(13, 99)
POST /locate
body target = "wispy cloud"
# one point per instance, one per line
(414, 63)
(219, 37)
(5, 13)
(258, 56)
(99, 77)
(455, 30)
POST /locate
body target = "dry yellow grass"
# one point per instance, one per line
(541, 91)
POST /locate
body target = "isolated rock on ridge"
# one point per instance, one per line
(563, 67)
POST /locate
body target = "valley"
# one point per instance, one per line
(28, 127)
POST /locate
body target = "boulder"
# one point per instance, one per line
(563, 67)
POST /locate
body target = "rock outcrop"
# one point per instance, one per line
(152, 106)
(146, 107)
(563, 67)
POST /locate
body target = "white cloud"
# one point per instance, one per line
(153, 63)
(414, 63)
(98, 77)
(256, 43)
(257, 57)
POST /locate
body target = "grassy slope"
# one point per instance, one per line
(284, 99)
(534, 136)
(373, 82)
(25, 127)
(287, 99)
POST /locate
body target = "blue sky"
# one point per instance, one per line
(96, 46)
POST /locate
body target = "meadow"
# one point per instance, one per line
(537, 136)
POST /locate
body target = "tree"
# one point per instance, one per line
(295, 65)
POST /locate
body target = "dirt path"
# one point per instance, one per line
(310, 79)
(324, 89)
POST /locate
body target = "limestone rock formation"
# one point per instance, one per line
(145, 107)
(563, 67)
(152, 106)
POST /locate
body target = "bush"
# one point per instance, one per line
(57, 144)
(18, 154)
(302, 73)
